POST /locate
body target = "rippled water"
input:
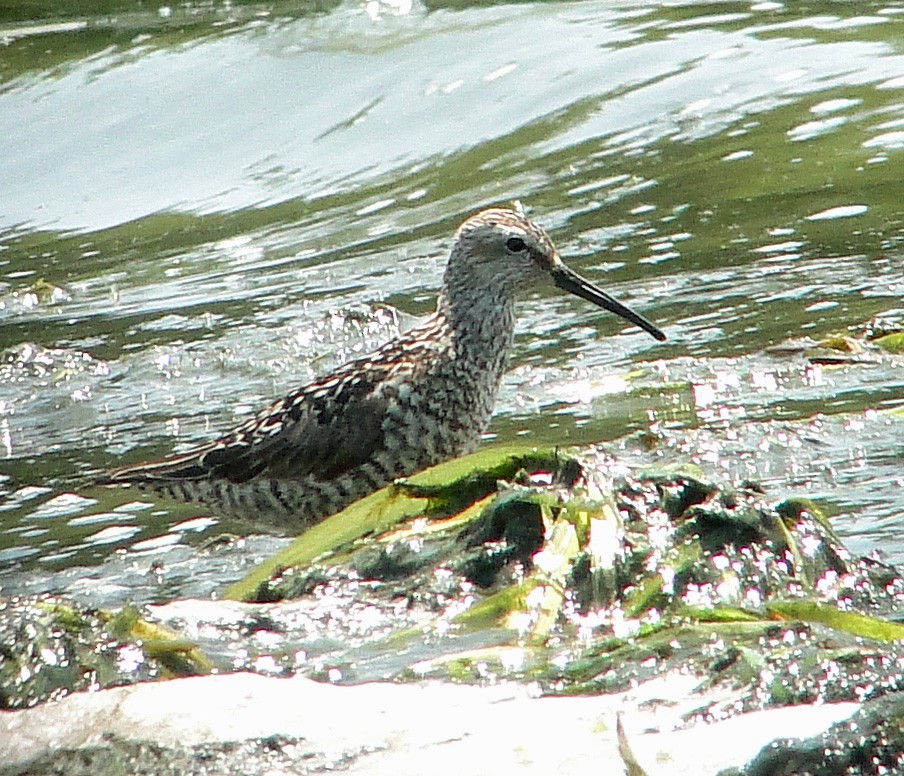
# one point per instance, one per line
(204, 206)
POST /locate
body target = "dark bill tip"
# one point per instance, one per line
(569, 280)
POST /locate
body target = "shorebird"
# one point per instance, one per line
(422, 398)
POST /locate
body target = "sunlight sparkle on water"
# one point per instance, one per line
(841, 211)
(156, 543)
(115, 533)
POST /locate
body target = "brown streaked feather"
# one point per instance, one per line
(326, 428)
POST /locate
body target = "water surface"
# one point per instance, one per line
(205, 206)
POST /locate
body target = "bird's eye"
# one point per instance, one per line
(515, 244)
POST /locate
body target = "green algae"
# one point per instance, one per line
(720, 614)
(794, 509)
(841, 343)
(535, 581)
(50, 647)
(891, 343)
(501, 567)
(853, 623)
(377, 512)
(176, 655)
(439, 492)
(496, 609)
(674, 561)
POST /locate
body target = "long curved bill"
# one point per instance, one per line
(570, 281)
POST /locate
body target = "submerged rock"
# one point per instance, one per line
(50, 647)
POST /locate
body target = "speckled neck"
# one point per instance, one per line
(481, 319)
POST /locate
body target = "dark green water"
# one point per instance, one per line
(204, 206)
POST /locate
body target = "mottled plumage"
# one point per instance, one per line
(420, 399)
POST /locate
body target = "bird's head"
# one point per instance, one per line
(501, 252)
